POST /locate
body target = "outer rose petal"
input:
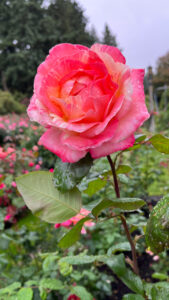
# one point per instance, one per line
(112, 51)
(65, 49)
(51, 140)
(136, 113)
(110, 147)
(37, 112)
(80, 142)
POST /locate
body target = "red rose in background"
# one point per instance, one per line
(88, 100)
(73, 297)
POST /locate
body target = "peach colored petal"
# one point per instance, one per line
(80, 142)
(111, 146)
(38, 113)
(111, 51)
(51, 140)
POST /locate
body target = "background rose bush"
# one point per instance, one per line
(89, 100)
(24, 239)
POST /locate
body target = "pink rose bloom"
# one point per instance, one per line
(35, 148)
(156, 258)
(2, 125)
(13, 156)
(7, 217)
(88, 100)
(83, 213)
(73, 297)
(149, 252)
(3, 154)
(13, 184)
(57, 225)
(37, 167)
(25, 171)
(67, 223)
(64, 224)
(10, 150)
(2, 186)
(31, 164)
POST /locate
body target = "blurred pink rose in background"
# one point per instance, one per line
(89, 100)
(31, 164)
(73, 297)
(7, 217)
(13, 184)
(83, 213)
(35, 148)
(4, 154)
(2, 186)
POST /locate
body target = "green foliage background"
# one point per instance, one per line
(29, 28)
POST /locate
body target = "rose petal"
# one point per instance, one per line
(38, 113)
(111, 51)
(80, 142)
(51, 140)
(111, 147)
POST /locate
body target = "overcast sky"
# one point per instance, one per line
(141, 27)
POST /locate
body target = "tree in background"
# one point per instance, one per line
(94, 35)
(69, 23)
(161, 77)
(21, 35)
(108, 37)
(28, 30)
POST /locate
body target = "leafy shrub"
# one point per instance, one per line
(8, 104)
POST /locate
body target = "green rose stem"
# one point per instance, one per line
(123, 219)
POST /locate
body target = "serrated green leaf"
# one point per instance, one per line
(132, 297)
(117, 264)
(123, 178)
(10, 288)
(67, 175)
(160, 143)
(73, 235)
(133, 148)
(101, 206)
(139, 139)
(81, 292)
(25, 293)
(65, 268)
(43, 293)
(95, 186)
(31, 283)
(126, 204)
(160, 290)
(160, 276)
(51, 283)
(120, 247)
(82, 259)
(11, 297)
(157, 230)
(122, 169)
(45, 201)
(49, 263)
